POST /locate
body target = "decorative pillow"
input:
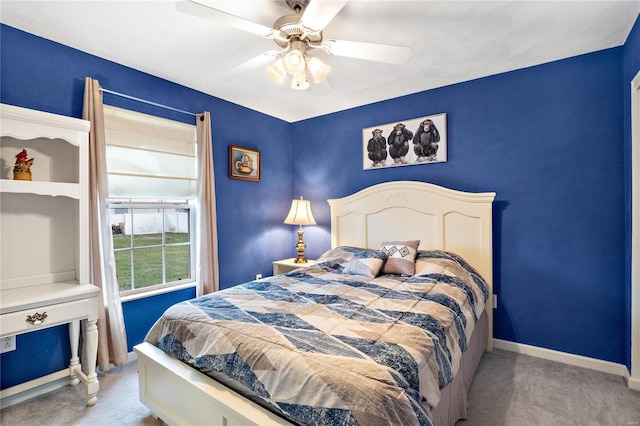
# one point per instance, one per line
(355, 260)
(401, 256)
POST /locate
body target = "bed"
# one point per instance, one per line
(349, 340)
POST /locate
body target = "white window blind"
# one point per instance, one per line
(149, 157)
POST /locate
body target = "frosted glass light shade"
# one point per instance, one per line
(294, 61)
(318, 69)
(277, 72)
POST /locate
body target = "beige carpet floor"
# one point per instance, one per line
(508, 390)
(117, 404)
(519, 390)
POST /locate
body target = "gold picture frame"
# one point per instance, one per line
(244, 163)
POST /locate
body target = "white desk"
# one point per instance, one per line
(32, 308)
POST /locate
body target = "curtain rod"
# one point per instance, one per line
(148, 102)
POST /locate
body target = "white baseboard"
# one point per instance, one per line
(33, 388)
(567, 358)
(634, 383)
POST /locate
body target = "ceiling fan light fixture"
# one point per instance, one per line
(294, 61)
(300, 81)
(296, 33)
(277, 72)
(318, 69)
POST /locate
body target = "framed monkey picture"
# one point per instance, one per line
(404, 143)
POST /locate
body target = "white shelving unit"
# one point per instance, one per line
(44, 242)
(52, 189)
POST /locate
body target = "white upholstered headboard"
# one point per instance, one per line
(441, 218)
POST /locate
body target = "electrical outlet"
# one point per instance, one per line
(258, 276)
(7, 344)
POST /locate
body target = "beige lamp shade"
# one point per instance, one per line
(300, 213)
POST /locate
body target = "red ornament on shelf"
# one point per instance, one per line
(22, 168)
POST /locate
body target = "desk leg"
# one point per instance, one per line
(92, 354)
(74, 339)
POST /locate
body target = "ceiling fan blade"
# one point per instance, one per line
(319, 13)
(256, 62)
(194, 8)
(369, 51)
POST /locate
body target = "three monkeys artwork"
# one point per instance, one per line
(399, 145)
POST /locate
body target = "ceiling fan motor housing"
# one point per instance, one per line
(292, 29)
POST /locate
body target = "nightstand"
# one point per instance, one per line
(288, 265)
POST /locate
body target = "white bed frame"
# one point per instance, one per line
(440, 218)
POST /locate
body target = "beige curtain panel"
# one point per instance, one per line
(112, 338)
(207, 239)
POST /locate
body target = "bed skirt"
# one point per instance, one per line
(453, 401)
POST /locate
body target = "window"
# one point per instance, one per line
(153, 245)
(151, 167)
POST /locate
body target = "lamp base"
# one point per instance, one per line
(300, 247)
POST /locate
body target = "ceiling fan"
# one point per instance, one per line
(296, 34)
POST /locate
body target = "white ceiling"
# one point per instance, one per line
(451, 42)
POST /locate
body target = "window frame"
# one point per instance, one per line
(189, 205)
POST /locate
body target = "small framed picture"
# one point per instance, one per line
(244, 163)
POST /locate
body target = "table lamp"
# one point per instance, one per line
(300, 214)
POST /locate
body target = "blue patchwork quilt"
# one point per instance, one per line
(322, 347)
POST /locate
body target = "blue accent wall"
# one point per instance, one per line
(630, 68)
(552, 141)
(39, 74)
(549, 141)
(141, 314)
(49, 349)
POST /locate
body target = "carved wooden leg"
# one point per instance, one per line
(74, 339)
(92, 354)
